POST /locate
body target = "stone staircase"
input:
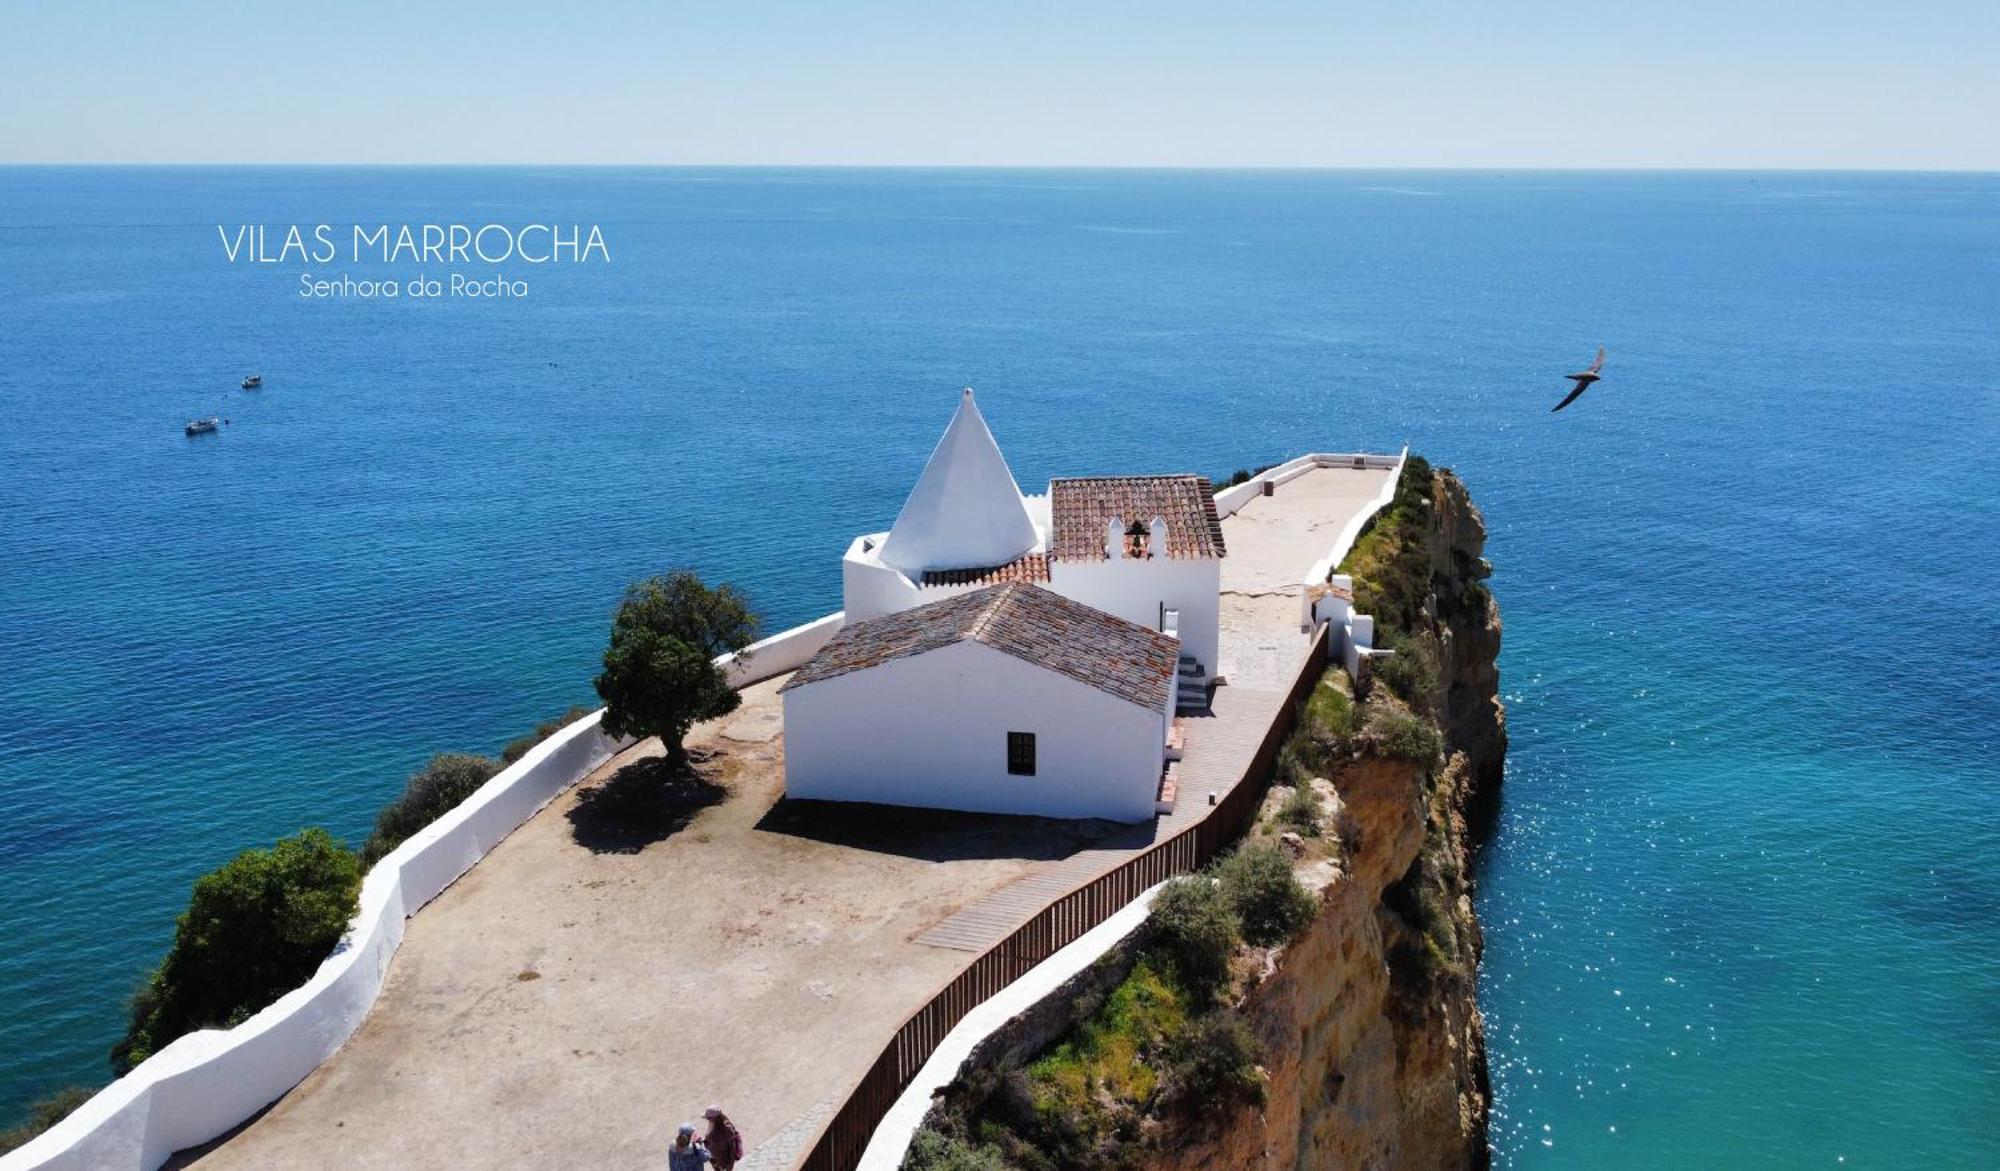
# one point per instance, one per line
(1193, 698)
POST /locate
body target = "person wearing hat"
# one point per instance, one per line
(725, 1143)
(687, 1153)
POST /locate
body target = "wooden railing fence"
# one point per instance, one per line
(845, 1134)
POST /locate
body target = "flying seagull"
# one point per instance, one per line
(1582, 380)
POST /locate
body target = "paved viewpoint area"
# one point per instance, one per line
(649, 944)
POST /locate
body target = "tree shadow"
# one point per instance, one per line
(940, 835)
(645, 802)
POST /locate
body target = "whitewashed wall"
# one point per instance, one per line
(1228, 500)
(936, 737)
(868, 588)
(1134, 590)
(785, 651)
(208, 1082)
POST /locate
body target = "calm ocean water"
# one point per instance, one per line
(1740, 908)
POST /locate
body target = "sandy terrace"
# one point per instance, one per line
(648, 944)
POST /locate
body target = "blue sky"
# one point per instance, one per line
(1517, 83)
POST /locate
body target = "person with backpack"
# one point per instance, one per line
(724, 1141)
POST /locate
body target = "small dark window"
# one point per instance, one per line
(1021, 754)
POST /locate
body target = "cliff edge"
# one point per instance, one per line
(1372, 1043)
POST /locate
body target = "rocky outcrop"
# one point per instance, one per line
(1374, 1048)
(1468, 627)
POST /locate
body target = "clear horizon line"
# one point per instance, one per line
(1535, 168)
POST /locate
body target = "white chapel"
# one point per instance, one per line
(1010, 653)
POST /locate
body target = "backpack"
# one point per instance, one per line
(734, 1142)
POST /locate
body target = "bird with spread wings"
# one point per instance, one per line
(1583, 379)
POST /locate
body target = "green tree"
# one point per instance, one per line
(660, 678)
(254, 930)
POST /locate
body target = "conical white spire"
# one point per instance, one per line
(966, 511)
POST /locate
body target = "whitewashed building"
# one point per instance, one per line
(1014, 654)
(1003, 699)
(1145, 548)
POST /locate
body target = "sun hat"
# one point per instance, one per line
(687, 1128)
(712, 1112)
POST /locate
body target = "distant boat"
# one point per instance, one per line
(203, 426)
(253, 382)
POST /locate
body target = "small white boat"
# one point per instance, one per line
(253, 382)
(203, 426)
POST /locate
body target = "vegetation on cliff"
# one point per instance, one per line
(430, 793)
(1165, 1042)
(254, 929)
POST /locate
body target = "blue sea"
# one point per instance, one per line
(1740, 903)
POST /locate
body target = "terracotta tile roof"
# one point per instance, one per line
(1080, 508)
(1029, 567)
(1035, 625)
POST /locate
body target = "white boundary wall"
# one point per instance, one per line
(1229, 500)
(891, 1140)
(785, 651)
(208, 1082)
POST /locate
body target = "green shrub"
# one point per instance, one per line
(1324, 735)
(933, 1151)
(254, 929)
(442, 784)
(1304, 757)
(1303, 810)
(1396, 732)
(1192, 926)
(44, 1114)
(1213, 1060)
(516, 749)
(1263, 893)
(1413, 671)
(1330, 711)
